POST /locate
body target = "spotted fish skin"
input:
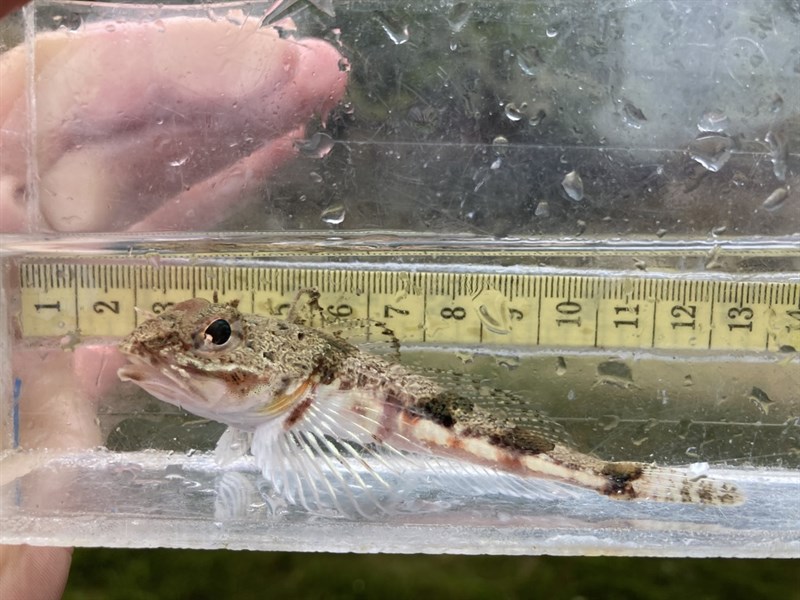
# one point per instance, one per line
(312, 406)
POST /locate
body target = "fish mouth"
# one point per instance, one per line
(201, 396)
(156, 381)
(151, 378)
(133, 373)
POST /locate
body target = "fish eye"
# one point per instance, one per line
(218, 332)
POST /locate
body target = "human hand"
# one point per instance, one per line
(164, 125)
(143, 128)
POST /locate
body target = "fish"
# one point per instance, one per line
(318, 413)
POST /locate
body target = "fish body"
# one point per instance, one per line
(311, 407)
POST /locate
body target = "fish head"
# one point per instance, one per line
(215, 362)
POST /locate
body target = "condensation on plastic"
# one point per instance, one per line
(543, 125)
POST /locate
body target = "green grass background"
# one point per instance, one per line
(101, 574)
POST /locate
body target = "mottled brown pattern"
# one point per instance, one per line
(240, 382)
(264, 357)
(445, 408)
(521, 440)
(619, 476)
(298, 411)
(449, 410)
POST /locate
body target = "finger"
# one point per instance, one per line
(33, 573)
(133, 117)
(221, 195)
(55, 410)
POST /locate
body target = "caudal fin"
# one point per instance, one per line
(632, 481)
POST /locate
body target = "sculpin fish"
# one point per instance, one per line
(312, 408)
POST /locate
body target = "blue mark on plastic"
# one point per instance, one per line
(15, 411)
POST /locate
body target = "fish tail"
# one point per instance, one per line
(632, 481)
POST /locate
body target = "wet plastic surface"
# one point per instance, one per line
(156, 499)
(536, 133)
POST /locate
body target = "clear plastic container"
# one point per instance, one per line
(634, 165)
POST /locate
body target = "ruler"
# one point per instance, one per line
(613, 311)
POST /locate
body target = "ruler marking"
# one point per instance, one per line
(83, 282)
(711, 321)
(539, 317)
(425, 290)
(77, 306)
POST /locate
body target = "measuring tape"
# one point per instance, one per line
(432, 306)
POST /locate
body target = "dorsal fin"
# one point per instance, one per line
(500, 407)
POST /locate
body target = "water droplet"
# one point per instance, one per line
(632, 115)
(697, 470)
(500, 140)
(396, 32)
(496, 164)
(664, 395)
(527, 61)
(542, 209)
(713, 258)
(688, 381)
(111, 28)
(573, 185)
(537, 119)
(317, 146)
(236, 16)
(711, 151)
(660, 233)
(776, 199)
(70, 341)
(614, 372)
(492, 322)
(459, 16)
(493, 311)
(509, 363)
(465, 357)
(71, 21)
(334, 214)
(609, 422)
(513, 112)
(776, 104)
(178, 162)
(761, 400)
(551, 32)
(315, 177)
(571, 395)
(561, 366)
(683, 428)
(778, 153)
(713, 121)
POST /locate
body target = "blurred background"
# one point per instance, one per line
(197, 575)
